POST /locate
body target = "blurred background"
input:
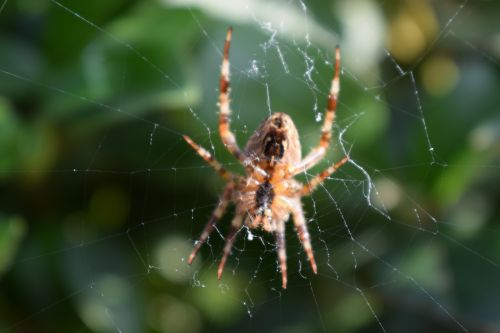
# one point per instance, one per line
(102, 200)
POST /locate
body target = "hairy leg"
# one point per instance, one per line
(326, 131)
(301, 228)
(318, 179)
(209, 227)
(209, 159)
(281, 248)
(230, 238)
(226, 134)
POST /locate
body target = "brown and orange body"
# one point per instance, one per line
(268, 194)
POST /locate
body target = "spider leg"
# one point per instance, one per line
(318, 179)
(255, 221)
(226, 134)
(319, 151)
(301, 228)
(280, 244)
(209, 159)
(230, 238)
(209, 227)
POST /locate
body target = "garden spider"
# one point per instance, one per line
(268, 194)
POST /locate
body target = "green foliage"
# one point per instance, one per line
(101, 197)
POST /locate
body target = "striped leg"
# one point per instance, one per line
(301, 228)
(227, 136)
(326, 131)
(313, 183)
(209, 159)
(209, 227)
(280, 244)
(230, 238)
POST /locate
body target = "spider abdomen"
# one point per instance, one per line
(275, 139)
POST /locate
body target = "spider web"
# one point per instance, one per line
(404, 235)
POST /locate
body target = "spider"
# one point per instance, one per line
(268, 194)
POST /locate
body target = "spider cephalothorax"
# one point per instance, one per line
(268, 194)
